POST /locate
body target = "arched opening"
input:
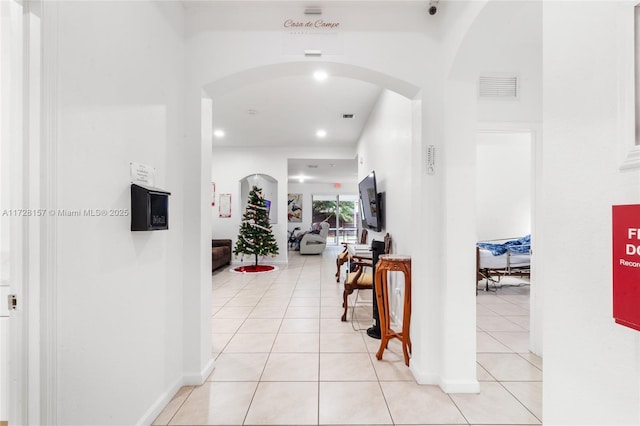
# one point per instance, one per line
(269, 186)
(391, 92)
(268, 149)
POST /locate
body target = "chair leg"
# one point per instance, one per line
(345, 303)
(339, 263)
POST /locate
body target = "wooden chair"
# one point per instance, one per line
(362, 276)
(343, 257)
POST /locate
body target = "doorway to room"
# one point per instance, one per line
(505, 210)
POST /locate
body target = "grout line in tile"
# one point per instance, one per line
(183, 402)
(458, 408)
(517, 399)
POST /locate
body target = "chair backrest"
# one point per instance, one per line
(363, 236)
(324, 229)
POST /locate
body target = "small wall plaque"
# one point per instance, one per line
(225, 205)
(142, 174)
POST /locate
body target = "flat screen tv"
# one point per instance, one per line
(370, 203)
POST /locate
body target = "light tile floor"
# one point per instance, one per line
(283, 357)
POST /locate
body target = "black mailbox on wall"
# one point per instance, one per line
(149, 208)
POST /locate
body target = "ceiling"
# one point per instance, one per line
(288, 111)
(323, 171)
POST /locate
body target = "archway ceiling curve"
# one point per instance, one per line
(281, 105)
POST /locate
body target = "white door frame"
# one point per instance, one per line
(14, 69)
(43, 388)
(34, 365)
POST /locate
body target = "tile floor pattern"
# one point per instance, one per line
(283, 357)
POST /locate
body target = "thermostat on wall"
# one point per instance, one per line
(431, 159)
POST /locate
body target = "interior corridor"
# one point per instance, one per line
(283, 357)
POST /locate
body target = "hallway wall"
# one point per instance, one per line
(503, 181)
(384, 147)
(591, 365)
(119, 293)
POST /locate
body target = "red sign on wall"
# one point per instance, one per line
(626, 265)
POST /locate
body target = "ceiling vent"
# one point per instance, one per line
(312, 166)
(499, 86)
(348, 115)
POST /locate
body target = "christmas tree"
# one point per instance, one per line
(255, 236)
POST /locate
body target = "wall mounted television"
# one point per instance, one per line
(370, 203)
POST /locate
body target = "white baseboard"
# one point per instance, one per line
(156, 408)
(187, 380)
(460, 386)
(196, 379)
(423, 378)
(447, 386)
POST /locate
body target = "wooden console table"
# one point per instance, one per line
(388, 263)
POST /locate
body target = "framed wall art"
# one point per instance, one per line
(294, 208)
(225, 205)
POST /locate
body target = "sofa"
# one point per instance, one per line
(220, 253)
(315, 243)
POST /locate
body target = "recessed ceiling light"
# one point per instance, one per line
(218, 133)
(321, 133)
(320, 75)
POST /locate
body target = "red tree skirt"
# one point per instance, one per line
(252, 269)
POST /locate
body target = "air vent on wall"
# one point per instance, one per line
(498, 86)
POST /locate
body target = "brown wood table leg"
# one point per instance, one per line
(386, 264)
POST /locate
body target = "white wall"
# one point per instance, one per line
(119, 323)
(503, 182)
(591, 365)
(383, 147)
(229, 167)
(504, 39)
(504, 36)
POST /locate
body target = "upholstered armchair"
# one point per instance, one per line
(315, 243)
